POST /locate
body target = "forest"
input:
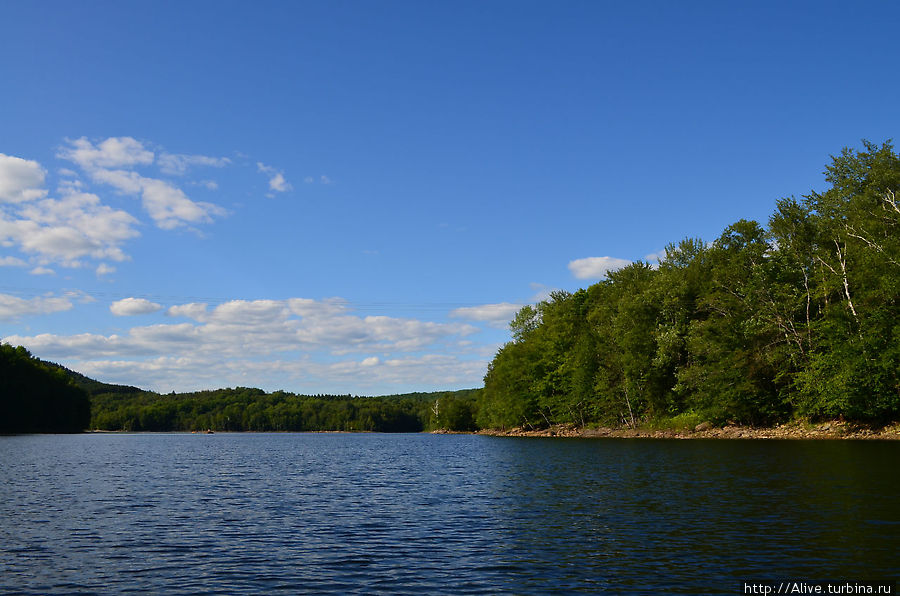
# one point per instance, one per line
(249, 409)
(35, 397)
(795, 319)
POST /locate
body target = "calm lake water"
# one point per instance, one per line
(423, 514)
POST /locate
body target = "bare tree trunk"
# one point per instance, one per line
(808, 299)
(545, 417)
(842, 259)
(630, 411)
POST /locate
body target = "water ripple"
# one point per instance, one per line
(413, 514)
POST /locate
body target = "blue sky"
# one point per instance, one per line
(355, 197)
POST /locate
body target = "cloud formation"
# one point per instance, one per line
(596, 267)
(13, 307)
(260, 327)
(114, 152)
(300, 341)
(12, 262)
(64, 230)
(177, 164)
(112, 162)
(21, 180)
(76, 224)
(277, 182)
(496, 315)
(133, 306)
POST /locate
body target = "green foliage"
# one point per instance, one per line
(797, 319)
(38, 398)
(250, 409)
(455, 411)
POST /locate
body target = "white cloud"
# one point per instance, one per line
(277, 182)
(194, 310)
(133, 306)
(497, 315)
(42, 271)
(262, 327)
(12, 262)
(178, 164)
(596, 267)
(79, 296)
(13, 307)
(300, 338)
(307, 307)
(67, 187)
(65, 230)
(20, 179)
(104, 269)
(168, 205)
(114, 152)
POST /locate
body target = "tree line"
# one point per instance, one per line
(250, 409)
(795, 319)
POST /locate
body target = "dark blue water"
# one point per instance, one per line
(369, 513)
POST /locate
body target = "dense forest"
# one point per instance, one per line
(35, 397)
(795, 319)
(248, 409)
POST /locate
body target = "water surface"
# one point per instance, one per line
(364, 513)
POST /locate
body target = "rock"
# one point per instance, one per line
(702, 427)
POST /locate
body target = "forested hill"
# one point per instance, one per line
(799, 318)
(91, 386)
(38, 398)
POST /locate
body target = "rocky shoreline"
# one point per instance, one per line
(793, 430)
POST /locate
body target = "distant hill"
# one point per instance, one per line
(92, 386)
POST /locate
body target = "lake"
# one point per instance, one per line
(421, 514)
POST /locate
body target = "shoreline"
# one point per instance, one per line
(834, 430)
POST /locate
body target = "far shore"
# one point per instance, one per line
(834, 430)
(795, 430)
